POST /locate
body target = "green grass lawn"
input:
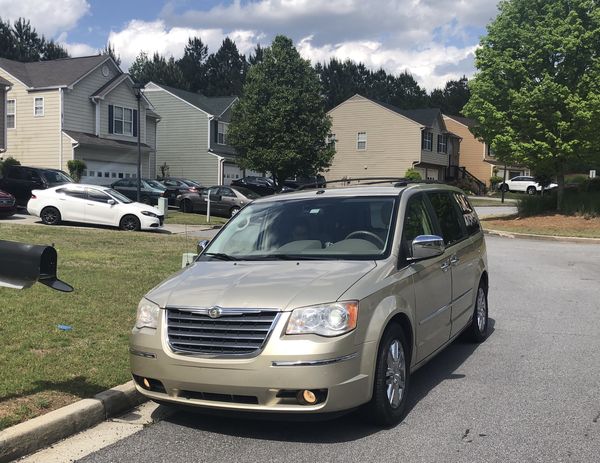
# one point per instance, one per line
(176, 217)
(42, 367)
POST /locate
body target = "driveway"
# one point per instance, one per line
(531, 392)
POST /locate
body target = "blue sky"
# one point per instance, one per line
(435, 40)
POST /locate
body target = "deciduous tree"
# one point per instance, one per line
(536, 95)
(280, 124)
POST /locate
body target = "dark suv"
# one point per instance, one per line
(20, 180)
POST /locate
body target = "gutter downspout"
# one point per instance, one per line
(60, 134)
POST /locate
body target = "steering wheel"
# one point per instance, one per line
(368, 234)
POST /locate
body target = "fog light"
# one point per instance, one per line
(146, 383)
(306, 397)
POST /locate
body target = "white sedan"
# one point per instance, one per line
(524, 183)
(100, 205)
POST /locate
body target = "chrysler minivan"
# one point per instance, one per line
(317, 302)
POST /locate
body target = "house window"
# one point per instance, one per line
(442, 143)
(38, 106)
(489, 151)
(361, 141)
(123, 120)
(222, 133)
(427, 141)
(11, 114)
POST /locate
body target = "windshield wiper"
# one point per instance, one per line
(220, 255)
(290, 257)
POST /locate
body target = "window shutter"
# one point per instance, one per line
(135, 123)
(110, 119)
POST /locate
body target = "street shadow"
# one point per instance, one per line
(350, 427)
(79, 386)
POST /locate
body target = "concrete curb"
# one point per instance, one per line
(530, 236)
(25, 438)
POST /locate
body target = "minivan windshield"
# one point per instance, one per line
(312, 228)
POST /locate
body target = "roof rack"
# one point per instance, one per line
(398, 182)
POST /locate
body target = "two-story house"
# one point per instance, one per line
(5, 86)
(476, 156)
(78, 108)
(375, 139)
(192, 135)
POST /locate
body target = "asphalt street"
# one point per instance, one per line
(531, 392)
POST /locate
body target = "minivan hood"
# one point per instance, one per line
(265, 284)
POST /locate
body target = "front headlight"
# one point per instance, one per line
(325, 320)
(147, 314)
(149, 214)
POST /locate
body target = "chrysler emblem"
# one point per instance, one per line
(215, 312)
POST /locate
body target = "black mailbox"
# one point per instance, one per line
(21, 265)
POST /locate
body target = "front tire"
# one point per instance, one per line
(531, 190)
(130, 223)
(478, 330)
(50, 215)
(392, 379)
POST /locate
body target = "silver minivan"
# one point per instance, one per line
(317, 302)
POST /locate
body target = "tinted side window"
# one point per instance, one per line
(98, 196)
(416, 222)
(80, 194)
(226, 192)
(469, 216)
(447, 216)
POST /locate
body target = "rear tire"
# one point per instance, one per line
(130, 223)
(233, 211)
(531, 190)
(50, 215)
(186, 206)
(392, 379)
(478, 330)
(504, 188)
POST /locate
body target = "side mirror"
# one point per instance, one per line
(427, 246)
(21, 265)
(201, 246)
(112, 202)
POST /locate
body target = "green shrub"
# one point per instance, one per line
(575, 202)
(590, 185)
(494, 181)
(413, 174)
(76, 168)
(575, 179)
(9, 161)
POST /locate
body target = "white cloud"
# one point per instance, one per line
(48, 17)
(154, 36)
(433, 39)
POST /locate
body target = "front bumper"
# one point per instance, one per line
(340, 370)
(151, 223)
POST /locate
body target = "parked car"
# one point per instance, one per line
(150, 190)
(21, 180)
(178, 186)
(92, 204)
(524, 184)
(7, 205)
(224, 200)
(316, 181)
(315, 302)
(263, 186)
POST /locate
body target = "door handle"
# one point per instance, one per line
(445, 265)
(454, 260)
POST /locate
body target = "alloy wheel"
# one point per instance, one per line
(395, 376)
(481, 310)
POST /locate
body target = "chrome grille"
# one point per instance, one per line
(234, 332)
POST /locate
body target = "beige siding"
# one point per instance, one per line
(182, 139)
(79, 110)
(35, 141)
(472, 151)
(121, 96)
(393, 141)
(67, 150)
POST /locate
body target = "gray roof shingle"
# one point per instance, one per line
(463, 120)
(54, 73)
(214, 105)
(425, 116)
(4, 82)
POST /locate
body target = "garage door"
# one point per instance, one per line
(232, 172)
(105, 173)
